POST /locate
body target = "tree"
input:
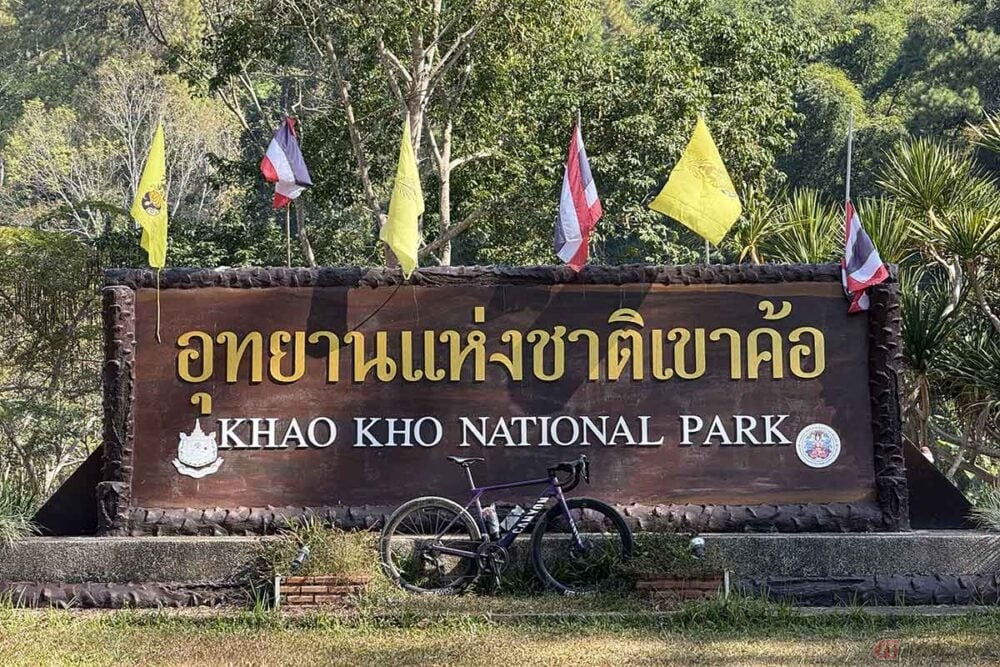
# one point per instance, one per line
(50, 340)
(77, 169)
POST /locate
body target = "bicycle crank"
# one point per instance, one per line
(492, 558)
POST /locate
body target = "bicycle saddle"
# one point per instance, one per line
(465, 461)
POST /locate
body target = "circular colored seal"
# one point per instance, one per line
(817, 445)
(152, 202)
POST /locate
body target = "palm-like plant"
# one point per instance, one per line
(987, 135)
(973, 376)
(890, 227)
(929, 319)
(966, 233)
(756, 226)
(807, 230)
(928, 176)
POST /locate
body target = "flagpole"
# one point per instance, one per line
(850, 148)
(158, 306)
(288, 233)
(707, 250)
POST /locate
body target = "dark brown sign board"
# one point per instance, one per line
(707, 397)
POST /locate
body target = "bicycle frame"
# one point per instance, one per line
(553, 490)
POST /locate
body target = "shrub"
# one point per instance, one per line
(986, 512)
(332, 551)
(669, 554)
(15, 516)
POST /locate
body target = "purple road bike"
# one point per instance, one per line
(434, 545)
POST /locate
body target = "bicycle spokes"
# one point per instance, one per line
(586, 558)
(414, 548)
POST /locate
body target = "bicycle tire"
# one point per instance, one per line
(463, 570)
(572, 579)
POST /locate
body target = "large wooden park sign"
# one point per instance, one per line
(713, 398)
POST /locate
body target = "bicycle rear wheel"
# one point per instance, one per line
(408, 541)
(566, 567)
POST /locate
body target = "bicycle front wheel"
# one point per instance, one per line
(589, 565)
(409, 546)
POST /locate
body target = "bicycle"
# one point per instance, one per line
(434, 545)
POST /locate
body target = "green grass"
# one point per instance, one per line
(723, 632)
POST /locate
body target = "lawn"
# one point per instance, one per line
(739, 631)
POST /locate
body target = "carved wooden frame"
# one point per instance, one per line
(117, 516)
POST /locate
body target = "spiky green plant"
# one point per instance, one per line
(16, 510)
(807, 230)
(969, 365)
(986, 512)
(928, 176)
(929, 317)
(987, 135)
(967, 233)
(758, 224)
(890, 228)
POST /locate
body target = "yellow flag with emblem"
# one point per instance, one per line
(150, 206)
(401, 232)
(699, 193)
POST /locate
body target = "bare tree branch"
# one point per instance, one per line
(451, 233)
(478, 155)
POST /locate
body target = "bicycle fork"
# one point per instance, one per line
(569, 518)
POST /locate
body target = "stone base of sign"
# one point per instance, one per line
(799, 518)
(973, 589)
(922, 567)
(105, 595)
(319, 591)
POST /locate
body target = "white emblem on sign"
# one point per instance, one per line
(197, 453)
(817, 445)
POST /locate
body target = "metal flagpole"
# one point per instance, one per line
(707, 260)
(288, 233)
(850, 147)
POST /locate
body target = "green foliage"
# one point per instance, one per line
(50, 341)
(332, 551)
(759, 223)
(809, 231)
(670, 555)
(929, 319)
(16, 509)
(986, 513)
(824, 99)
(928, 176)
(890, 228)
(987, 135)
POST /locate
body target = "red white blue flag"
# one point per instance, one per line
(579, 206)
(283, 165)
(862, 267)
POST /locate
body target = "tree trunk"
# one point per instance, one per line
(984, 305)
(444, 174)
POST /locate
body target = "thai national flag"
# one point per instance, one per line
(579, 207)
(283, 165)
(861, 267)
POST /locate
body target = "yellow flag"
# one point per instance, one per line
(407, 204)
(699, 192)
(150, 206)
